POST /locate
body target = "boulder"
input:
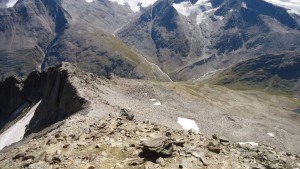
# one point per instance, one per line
(126, 113)
(155, 148)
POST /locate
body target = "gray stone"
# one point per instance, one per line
(160, 147)
(201, 156)
(161, 161)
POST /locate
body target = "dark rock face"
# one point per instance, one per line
(34, 86)
(11, 96)
(15, 92)
(60, 98)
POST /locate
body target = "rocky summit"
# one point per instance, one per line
(116, 142)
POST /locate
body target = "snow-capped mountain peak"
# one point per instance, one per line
(200, 8)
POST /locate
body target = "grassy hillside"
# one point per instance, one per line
(276, 74)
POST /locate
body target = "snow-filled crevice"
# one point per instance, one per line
(16, 132)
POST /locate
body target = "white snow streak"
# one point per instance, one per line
(244, 5)
(159, 69)
(188, 124)
(155, 102)
(271, 134)
(11, 3)
(253, 144)
(16, 132)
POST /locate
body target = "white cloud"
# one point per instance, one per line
(293, 6)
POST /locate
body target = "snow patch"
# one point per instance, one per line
(202, 16)
(186, 8)
(188, 124)
(271, 134)
(11, 3)
(135, 5)
(244, 5)
(201, 8)
(89, 1)
(155, 102)
(253, 144)
(293, 6)
(16, 132)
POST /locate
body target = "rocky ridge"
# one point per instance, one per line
(16, 93)
(122, 142)
(55, 89)
(241, 116)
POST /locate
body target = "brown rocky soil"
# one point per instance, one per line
(116, 142)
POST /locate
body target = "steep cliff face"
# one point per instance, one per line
(11, 97)
(17, 94)
(60, 98)
(58, 95)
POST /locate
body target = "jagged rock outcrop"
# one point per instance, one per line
(60, 98)
(11, 96)
(16, 92)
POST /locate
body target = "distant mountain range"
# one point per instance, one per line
(162, 40)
